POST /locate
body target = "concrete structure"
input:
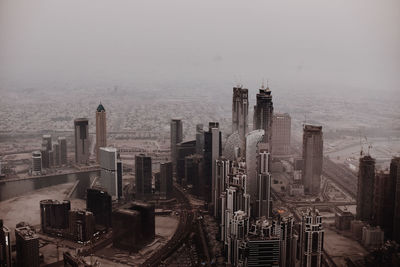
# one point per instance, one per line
(101, 129)
(384, 202)
(133, 226)
(62, 142)
(144, 175)
(312, 159)
(365, 191)
(54, 215)
(263, 111)
(395, 176)
(5, 246)
(99, 203)
(263, 205)
(36, 163)
(81, 127)
(372, 236)
(166, 183)
(240, 111)
(183, 150)
(343, 220)
(81, 225)
(110, 174)
(27, 247)
(281, 132)
(199, 139)
(176, 137)
(311, 239)
(194, 165)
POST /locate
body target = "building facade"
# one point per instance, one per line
(312, 159)
(144, 175)
(176, 137)
(281, 132)
(240, 111)
(365, 191)
(110, 174)
(263, 111)
(81, 127)
(101, 129)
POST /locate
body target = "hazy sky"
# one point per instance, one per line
(317, 43)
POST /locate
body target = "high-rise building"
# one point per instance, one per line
(212, 151)
(81, 127)
(240, 111)
(286, 222)
(311, 239)
(47, 141)
(101, 129)
(5, 246)
(36, 163)
(46, 147)
(143, 177)
(281, 130)
(81, 225)
(183, 149)
(263, 110)
(45, 157)
(166, 180)
(62, 142)
(384, 202)
(54, 215)
(194, 174)
(133, 226)
(99, 203)
(57, 154)
(263, 201)
(365, 191)
(312, 159)
(395, 175)
(110, 179)
(27, 247)
(222, 170)
(176, 137)
(199, 139)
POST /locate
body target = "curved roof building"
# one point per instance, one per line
(233, 142)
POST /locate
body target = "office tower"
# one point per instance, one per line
(101, 129)
(5, 246)
(143, 177)
(212, 151)
(281, 130)
(176, 137)
(194, 174)
(312, 159)
(81, 225)
(263, 110)
(286, 222)
(27, 247)
(36, 163)
(252, 140)
(47, 141)
(45, 156)
(395, 175)
(133, 226)
(51, 158)
(365, 191)
(54, 215)
(263, 201)
(110, 179)
(183, 149)
(99, 203)
(57, 154)
(311, 239)
(81, 127)
(222, 170)
(240, 111)
(166, 180)
(62, 142)
(199, 139)
(384, 200)
(235, 242)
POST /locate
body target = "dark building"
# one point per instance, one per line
(81, 127)
(176, 137)
(343, 220)
(240, 111)
(5, 246)
(263, 111)
(384, 194)
(182, 150)
(263, 252)
(365, 193)
(57, 154)
(194, 174)
(27, 247)
(166, 180)
(143, 177)
(395, 176)
(62, 142)
(212, 151)
(312, 159)
(199, 139)
(81, 225)
(54, 215)
(100, 204)
(133, 226)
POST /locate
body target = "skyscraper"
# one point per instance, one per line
(99, 203)
(57, 154)
(384, 201)
(263, 201)
(166, 180)
(395, 175)
(281, 130)
(263, 110)
(312, 159)
(62, 142)
(36, 163)
(365, 191)
(176, 137)
(221, 179)
(240, 111)
(27, 247)
(101, 129)
(5, 246)
(311, 239)
(183, 149)
(81, 127)
(54, 215)
(194, 174)
(199, 139)
(110, 179)
(47, 141)
(143, 177)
